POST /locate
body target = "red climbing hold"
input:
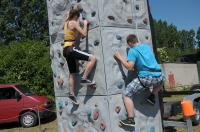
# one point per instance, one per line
(117, 109)
(95, 115)
(102, 125)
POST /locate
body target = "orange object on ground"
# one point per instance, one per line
(187, 108)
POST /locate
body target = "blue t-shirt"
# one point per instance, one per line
(144, 59)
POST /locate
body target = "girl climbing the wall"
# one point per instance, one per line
(71, 31)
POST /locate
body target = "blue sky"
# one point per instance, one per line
(185, 14)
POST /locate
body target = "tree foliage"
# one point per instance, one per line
(198, 38)
(27, 63)
(173, 42)
(23, 19)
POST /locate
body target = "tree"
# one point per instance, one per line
(23, 19)
(173, 43)
(27, 63)
(191, 39)
(198, 37)
(166, 35)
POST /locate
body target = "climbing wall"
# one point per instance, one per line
(102, 107)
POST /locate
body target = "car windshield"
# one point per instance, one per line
(25, 91)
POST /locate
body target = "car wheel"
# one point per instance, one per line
(196, 117)
(28, 119)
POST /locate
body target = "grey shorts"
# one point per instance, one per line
(135, 87)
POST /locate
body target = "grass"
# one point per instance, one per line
(178, 117)
(49, 125)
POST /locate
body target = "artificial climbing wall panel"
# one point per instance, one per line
(93, 46)
(102, 107)
(115, 39)
(147, 115)
(116, 13)
(90, 116)
(60, 69)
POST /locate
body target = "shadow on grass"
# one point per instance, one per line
(17, 125)
(170, 129)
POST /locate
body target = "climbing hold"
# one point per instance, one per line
(126, 114)
(111, 18)
(62, 44)
(59, 53)
(102, 125)
(130, 20)
(117, 109)
(152, 129)
(60, 107)
(60, 82)
(78, 1)
(95, 115)
(146, 37)
(93, 13)
(62, 63)
(66, 103)
(96, 42)
(89, 114)
(96, 105)
(118, 37)
(137, 7)
(54, 74)
(83, 14)
(125, 1)
(74, 123)
(145, 21)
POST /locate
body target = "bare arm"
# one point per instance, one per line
(83, 31)
(65, 27)
(127, 64)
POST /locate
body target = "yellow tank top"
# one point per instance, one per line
(69, 37)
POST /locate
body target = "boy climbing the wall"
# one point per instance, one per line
(141, 57)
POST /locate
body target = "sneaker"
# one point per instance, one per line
(73, 99)
(151, 99)
(128, 122)
(87, 81)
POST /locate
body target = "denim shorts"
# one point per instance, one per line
(135, 86)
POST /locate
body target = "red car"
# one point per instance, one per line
(18, 104)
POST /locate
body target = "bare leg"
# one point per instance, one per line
(71, 83)
(89, 67)
(129, 105)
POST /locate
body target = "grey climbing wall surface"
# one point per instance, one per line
(102, 107)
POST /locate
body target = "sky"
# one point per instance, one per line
(185, 14)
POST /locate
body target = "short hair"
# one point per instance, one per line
(132, 38)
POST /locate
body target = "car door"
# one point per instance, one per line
(10, 104)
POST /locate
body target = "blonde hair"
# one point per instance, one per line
(72, 13)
